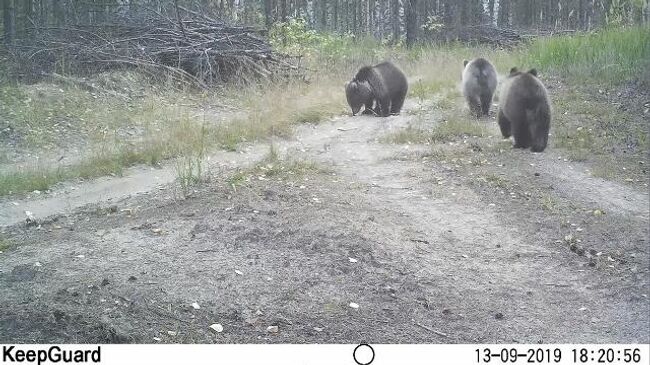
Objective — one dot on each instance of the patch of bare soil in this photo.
(392, 246)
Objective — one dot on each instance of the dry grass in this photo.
(436, 70)
(154, 123)
(589, 129)
(274, 110)
(453, 127)
(275, 166)
(168, 125)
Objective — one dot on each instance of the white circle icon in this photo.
(364, 354)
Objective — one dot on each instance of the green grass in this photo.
(407, 135)
(454, 129)
(607, 56)
(4, 244)
(42, 178)
(25, 180)
(189, 166)
(275, 166)
(498, 181)
(237, 179)
(184, 139)
(458, 128)
(548, 203)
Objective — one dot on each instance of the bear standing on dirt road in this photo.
(384, 83)
(479, 81)
(525, 110)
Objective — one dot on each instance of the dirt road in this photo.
(390, 244)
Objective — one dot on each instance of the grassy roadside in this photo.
(155, 123)
(168, 125)
(598, 119)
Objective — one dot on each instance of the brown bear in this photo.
(384, 84)
(525, 110)
(479, 80)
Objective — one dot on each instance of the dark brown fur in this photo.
(479, 80)
(525, 110)
(384, 84)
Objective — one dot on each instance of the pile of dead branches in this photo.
(190, 47)
(482, 34)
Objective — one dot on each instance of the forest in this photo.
(39, 34)
(410, 20)
(42, 35)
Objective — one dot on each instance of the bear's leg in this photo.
(504, 124)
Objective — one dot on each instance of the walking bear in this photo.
(384, 84)
(479, 82)
(525, 110)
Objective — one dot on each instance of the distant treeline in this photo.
(394, 20)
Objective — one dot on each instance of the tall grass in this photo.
(609, 55)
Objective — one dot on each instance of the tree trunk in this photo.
(335, 15)
(29, 21)
(355, 23)
(504, 13)
(9, 19)
(395, 21)
(283, 10)
(268, 12)
(381, 19)
(371, 16)
(410, 8)
(323, 14)
(57, 12)
(491, 9)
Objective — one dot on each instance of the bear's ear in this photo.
(533, 72)
(465, 62)
(514, 70)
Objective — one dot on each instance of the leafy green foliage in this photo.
(294, 38)
(433, 24)
(325, 50)
(623, 12)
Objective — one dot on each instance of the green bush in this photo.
(295, 39)
(325, 50)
